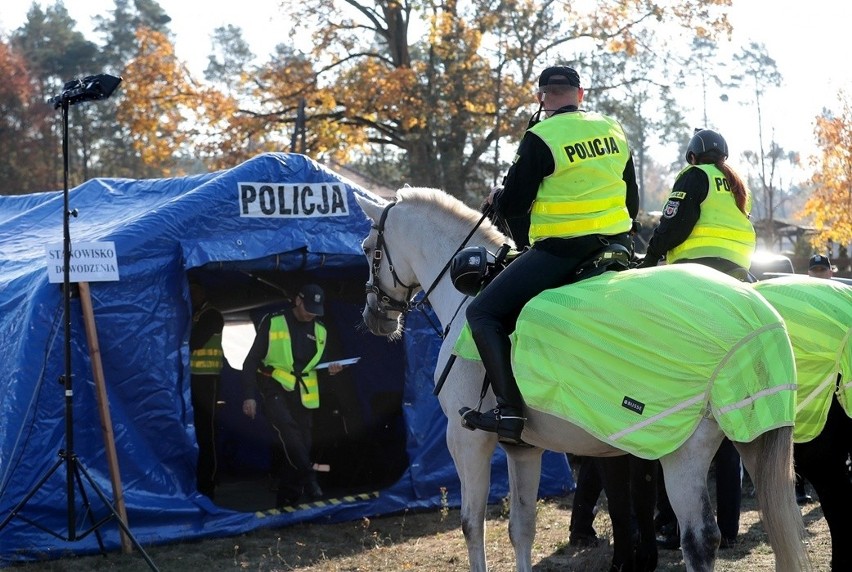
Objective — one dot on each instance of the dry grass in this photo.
(431, 542)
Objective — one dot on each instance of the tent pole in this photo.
(103, 408)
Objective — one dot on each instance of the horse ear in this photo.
(372, 208)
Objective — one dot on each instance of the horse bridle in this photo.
(385, 302)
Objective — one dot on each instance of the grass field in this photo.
(432, 542)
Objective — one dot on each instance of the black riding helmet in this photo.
(707, 141)
(468, 269)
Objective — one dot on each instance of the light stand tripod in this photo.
(76, 91)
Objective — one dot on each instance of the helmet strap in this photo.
(536, 117)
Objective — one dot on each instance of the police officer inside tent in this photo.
(281, 368)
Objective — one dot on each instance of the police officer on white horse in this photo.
(573, 176)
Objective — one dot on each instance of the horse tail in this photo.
(774, 483)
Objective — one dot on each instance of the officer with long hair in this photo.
(706, 221)
(706, 217)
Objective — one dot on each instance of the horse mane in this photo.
(452, 207)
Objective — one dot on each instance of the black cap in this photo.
(312, 299)
(818, 260)
(559, 75)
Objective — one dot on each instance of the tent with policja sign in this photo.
(251, 234)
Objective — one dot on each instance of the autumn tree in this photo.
(25, 129)
(260, 116)
(118, 30)
(168, 116)
(428, 93)
(830, 204)
(442, 83)
(55, 52)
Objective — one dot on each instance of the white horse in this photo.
(409, 249)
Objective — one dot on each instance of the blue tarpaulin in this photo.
(276, 212)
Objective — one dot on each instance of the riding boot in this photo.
(507, 418)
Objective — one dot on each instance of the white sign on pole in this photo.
(90, 262)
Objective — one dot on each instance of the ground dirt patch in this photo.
(433, 542)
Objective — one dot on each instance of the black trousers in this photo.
(729, 488)
(823, 463)
(205, 393)
(589, 487)
(493, 313)
(631, 485)
(536, 270)
(292, 426)
(629, 481)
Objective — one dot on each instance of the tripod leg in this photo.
(84, 498)
(31, 494)
(115, 515)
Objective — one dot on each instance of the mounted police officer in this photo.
(281, 367)
(706, 217)
(706, 221)
(573, 179)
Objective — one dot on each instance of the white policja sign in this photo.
(292, 200)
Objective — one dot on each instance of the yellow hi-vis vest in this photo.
(279, 356)
(586, 192)
(722, 230)
(208, 359)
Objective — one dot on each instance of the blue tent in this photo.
(276, 219)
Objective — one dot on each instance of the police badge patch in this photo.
(670, 209)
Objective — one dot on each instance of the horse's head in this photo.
(391, 283)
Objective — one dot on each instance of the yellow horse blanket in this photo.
(638, 358)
